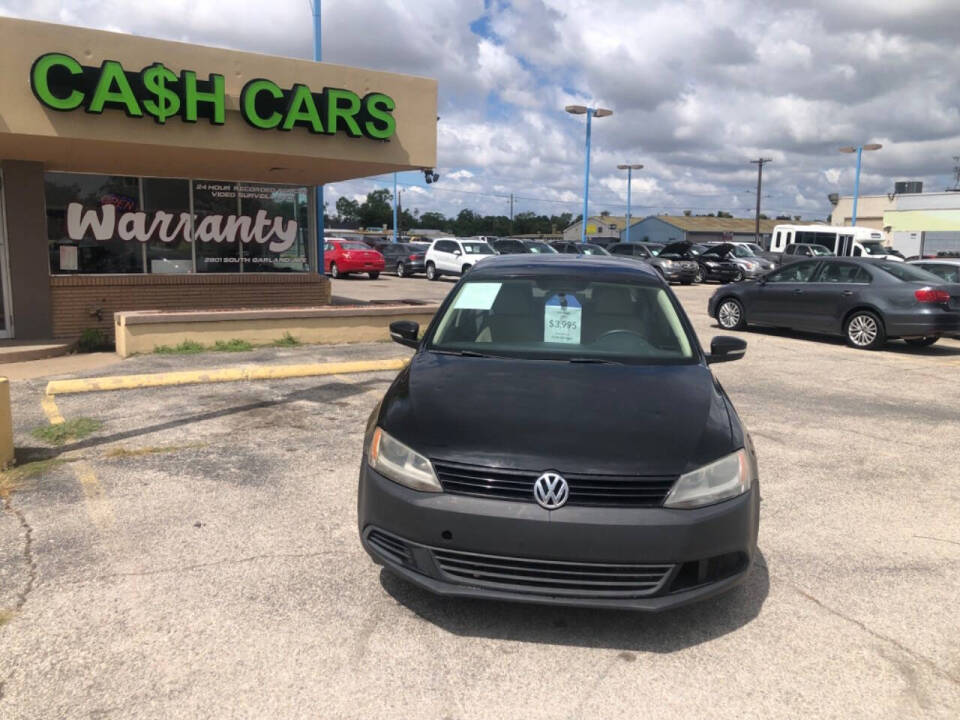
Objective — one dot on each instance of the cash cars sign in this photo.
(61, 83)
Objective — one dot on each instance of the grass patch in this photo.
(233, 345)
(71, 429)
(287, 340)
(93, 340)
(122, 452)
(187, 347)
(13, 478)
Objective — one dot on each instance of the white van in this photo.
(849, 241)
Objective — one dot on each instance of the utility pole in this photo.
(511, 207)
(759, 162)
(318, 56)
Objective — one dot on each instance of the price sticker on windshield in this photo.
(561, 319)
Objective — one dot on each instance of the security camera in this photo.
(430, 176)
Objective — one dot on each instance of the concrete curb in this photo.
(190, 377)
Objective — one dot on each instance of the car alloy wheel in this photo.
(699, 277)
(739, 276)
(401, 270)
(432, 272)
(864, 331)
(730, 315)
(334, 270)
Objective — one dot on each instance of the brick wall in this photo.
(76, 299)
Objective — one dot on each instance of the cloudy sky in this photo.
(698, 87)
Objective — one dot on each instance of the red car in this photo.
(342, 257)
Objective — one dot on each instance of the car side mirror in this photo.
(724, 348)
(457, 253)
(405, 332)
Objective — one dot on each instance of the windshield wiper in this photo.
(463, 353)
(601, 361)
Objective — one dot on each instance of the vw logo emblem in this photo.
(551, 491)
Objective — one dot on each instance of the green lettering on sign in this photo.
(216, 97)
(113, 88)
(301, 109)
(156, 80)
(379, 123)
(61, 83)
(248, 103)
(40, 81)
(337, 112)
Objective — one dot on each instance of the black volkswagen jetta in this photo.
(558, 438)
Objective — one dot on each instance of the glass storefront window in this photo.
(282, 247)
(82, 229)
(110, 224)
(214, 203)
(167, 203)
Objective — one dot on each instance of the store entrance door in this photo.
(6, 314)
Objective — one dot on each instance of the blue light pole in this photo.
(317, 56)
(394, 207)
(590, 113)
(629, 169)
(856, 183)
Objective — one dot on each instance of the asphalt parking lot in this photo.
(197, 556)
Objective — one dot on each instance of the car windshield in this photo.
(874, 247)
(909, 273)
(819, 250)
(478, 248)
(754, 248)
(540, 248)
(354, 246)
(742, 251)
(568, 318)
(593, 250)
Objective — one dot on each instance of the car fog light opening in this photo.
(720, 480)
(397, 462)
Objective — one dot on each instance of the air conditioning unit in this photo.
(908, 187)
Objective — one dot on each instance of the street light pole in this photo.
(590, 113)
(629, 169)
(759, 162)
(317, 55)
(394, 207)
(856, 182)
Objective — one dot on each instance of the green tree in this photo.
(348, 211)
(377, 209)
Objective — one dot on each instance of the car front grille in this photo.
(595, 490)
(549, 577)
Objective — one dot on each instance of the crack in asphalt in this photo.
(28, 559)
(928, 537)
(930, 664)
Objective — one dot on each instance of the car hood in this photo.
(571, 417)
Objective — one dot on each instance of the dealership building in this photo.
(140, 174)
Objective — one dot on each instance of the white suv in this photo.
(451, 256)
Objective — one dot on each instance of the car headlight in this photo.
(394, 460)
(666, 263)
(722, 479)
(751, 265)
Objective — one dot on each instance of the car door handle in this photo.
(848, 292)
(797, 291)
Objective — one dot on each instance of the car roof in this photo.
(563, 263)
(937, 261)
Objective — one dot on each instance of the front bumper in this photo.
(677, 274)
(704, 552)
(721, 273)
